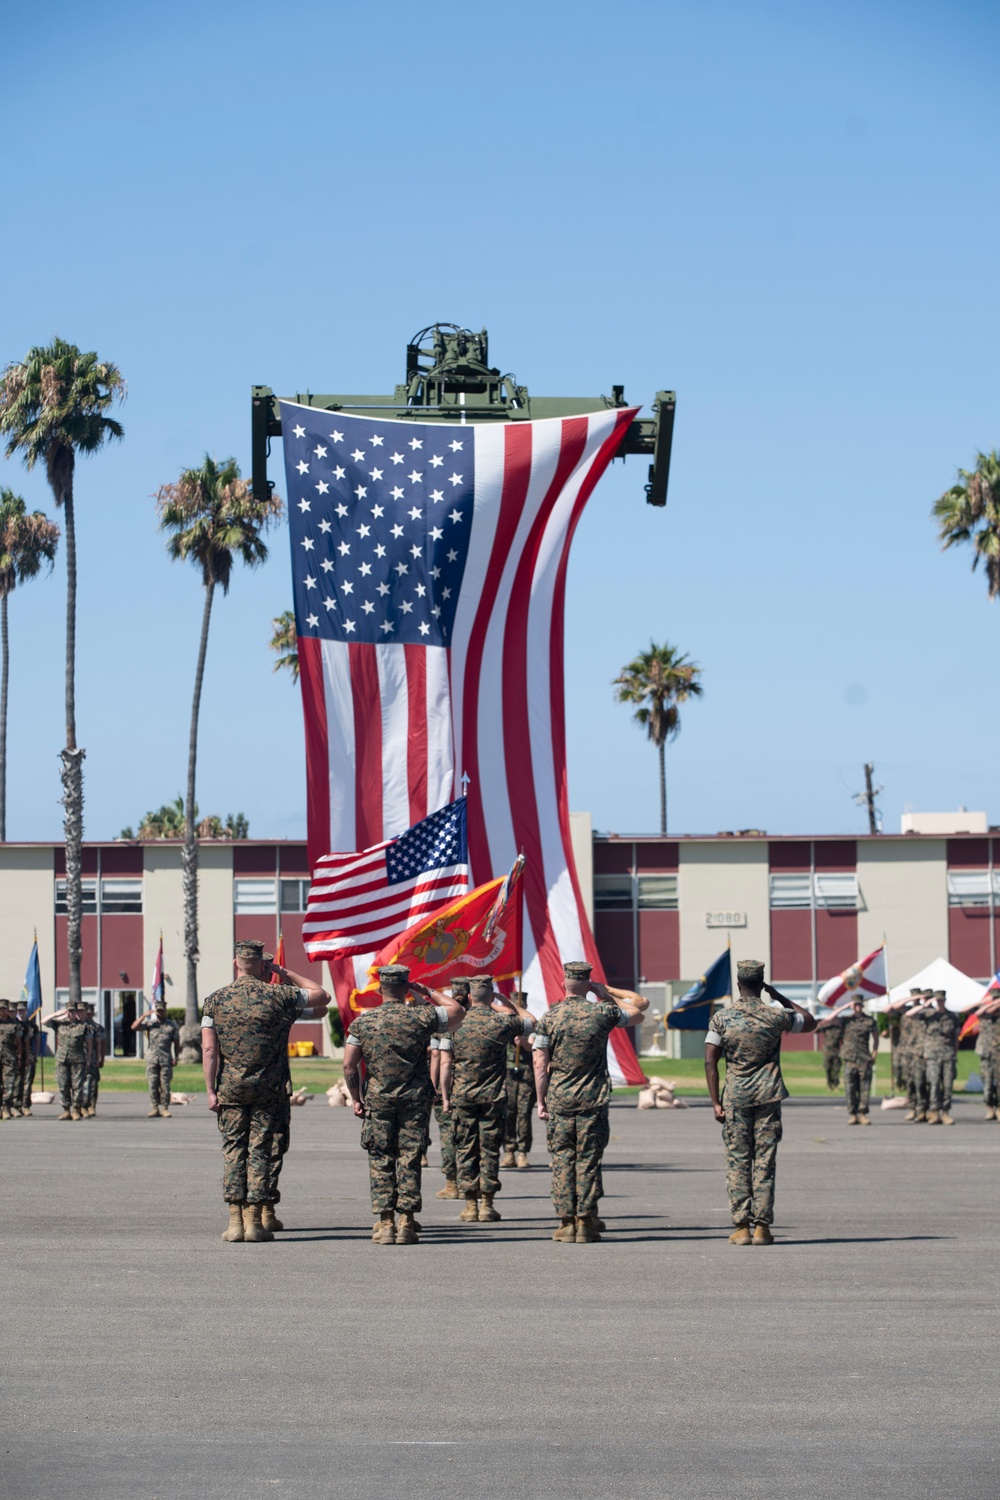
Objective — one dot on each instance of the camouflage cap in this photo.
(5, 1004)
(249, 948)
(481, 982)
(916, 992)
(160, 1005)
(940, 995)
(461, 985)
(393, 974)
(578, 968)
(750, 969)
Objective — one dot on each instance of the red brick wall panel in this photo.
(121, 949)
(791, 946)
(789, 855)
(613, 857)
(969, 940)
(836, 942)
(659, 945)
(613, 932)
(656, 858)
(88, 967)
(836, 854)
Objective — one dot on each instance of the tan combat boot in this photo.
(507, 1160)
(946, 1118)
(384, 1232)
(587, 1232)
(75, 1114)
(151, 1114)
(269, 1218)
(521, 1161)
(253, 1230)
(164, 1113)
(567, 1230)
(406, 1229)
(65, 1115)
(5, 1113)
(741, 1235)
(235, 1231)
(450, 1189)
(26, 1112)
(487, 1213)
(910, 1115)
(470, 1213)
(863, 1120)
(991, 1114)
(423, 1160)
(852, 1119)
(920, 1118)
(762, 1235)
(933, 1118)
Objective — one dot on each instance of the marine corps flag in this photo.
(480, 931)
(693, 1010)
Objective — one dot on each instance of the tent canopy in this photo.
(962, 991)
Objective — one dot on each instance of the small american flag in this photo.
(357, 902)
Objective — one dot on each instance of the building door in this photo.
(121, 1005)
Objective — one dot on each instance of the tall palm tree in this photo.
(213, 520)
(285, 642)
(970, 512)
(659, 680)
(26, 542)
(54, 404)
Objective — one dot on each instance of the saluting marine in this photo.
(11, 1061)
(74, 1043)
(747, 1035)
(32, 1037)
(98, 1053)
(941, 1028)
(857, 1045)
(522, 1097)
(442, 1113)
(163, 1043)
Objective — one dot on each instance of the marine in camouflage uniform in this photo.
(911, 1045)
(831, 1057)
(73, 1047)
(748, 1036)
(478, 1093)
(941, 1029)
(445, 1121)
(245, 1027)
(858, 1032)
(522, 1096)
(985, 1046)
(11, 1061)
(32, 1036)
(98, 1052)
(163, 1043)
(574, 1089)
(392, 1039)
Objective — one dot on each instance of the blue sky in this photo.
(786, 213)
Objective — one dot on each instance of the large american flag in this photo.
(429, 568)
(359, 901)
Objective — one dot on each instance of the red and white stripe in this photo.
(391, 729)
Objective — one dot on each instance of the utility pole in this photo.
(867, 799)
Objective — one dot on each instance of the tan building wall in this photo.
(723, 876)
(903, 896)
(27, 881)
(163, 909)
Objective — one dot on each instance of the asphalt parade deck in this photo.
(147, 1360)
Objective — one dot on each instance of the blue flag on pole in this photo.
(692, 1014)
(31, 989)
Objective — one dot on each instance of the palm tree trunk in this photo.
(190, 1036)
(72, 757)
(663, 787)
(4, 675)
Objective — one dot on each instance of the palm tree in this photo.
(284, 640)
(26, 541)
(659, 680)
(213, 519)
(54, 404)
(970, 512)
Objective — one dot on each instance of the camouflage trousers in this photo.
(91, 1087)
(9, 1078)
(279, 1148)
(479, 1132)
(900, 1066)
(916, 1085)
(831, 1066)
(26, 1080)
(159, 1076)
(248, 1151)
(576, 1146)
(940, 1081)
(446, 1128)
(71, 1078)
(751, 1139)
(857, 1086)
(521, 1100)
(394, 1137)
(988, 1073)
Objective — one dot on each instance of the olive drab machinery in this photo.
(448, 379)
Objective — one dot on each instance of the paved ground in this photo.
(858, 1357)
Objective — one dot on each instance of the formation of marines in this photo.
(925, 1044)
(81, 1049)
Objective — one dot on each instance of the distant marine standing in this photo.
(32, 1039)
(857, 1044)
(443, 1116)
(747, 1034)
(987, 1068)
(98, 1053)
(941, 1028)
(11, 1061)
(163, 1042)
(74, 1042)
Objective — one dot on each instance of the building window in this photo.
(657, 892)
(294, 895)
(89, 997)
(612, 892)
(830, 892)
(89, 899)
(800, 992)
(121, 896)
(254, 898)
(970, 887)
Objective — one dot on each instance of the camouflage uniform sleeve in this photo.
(295, 1000)
(208, 1013)
(356, 1031)
(716, 1029)
(543, 1032)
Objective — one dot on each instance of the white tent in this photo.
(962, 991)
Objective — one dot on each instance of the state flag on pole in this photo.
(866, 977)
(970, 1026)
(156, 989)
(429, 565)
(279, 957)
(31, 989)
(357, 902)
